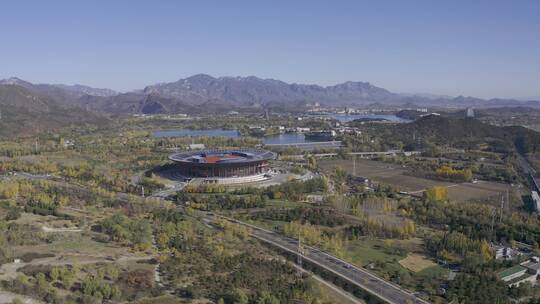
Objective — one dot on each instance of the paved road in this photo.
(384, 290)
(529, 171)
(335, 288)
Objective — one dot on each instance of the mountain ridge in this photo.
(188, 95)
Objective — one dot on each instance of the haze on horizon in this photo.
(485, 49)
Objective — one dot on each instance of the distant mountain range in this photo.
(203, 93)
(25, 112)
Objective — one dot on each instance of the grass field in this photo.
(416, 262)
(395, 176)
(364, 251)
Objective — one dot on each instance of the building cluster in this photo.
(505, 252)
(527, 271)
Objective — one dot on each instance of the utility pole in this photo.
(493, 214)
(142, 191)
(299, 256)
(354, 165)
(502, 207)
(507, 200)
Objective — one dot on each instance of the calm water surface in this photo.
(286, 138)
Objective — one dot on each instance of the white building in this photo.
(196, 146)
(536, 201)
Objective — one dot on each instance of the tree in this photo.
(267, 298)
(55, 273)
(486, 251)
(41, 282)
(311, 162)
(239, 296)
(436, 194)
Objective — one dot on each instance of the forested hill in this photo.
(465, 132)
(24, 112)
(207, 94)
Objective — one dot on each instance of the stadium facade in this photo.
(224, 166)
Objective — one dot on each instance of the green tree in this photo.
(239, 296)
(55, 273)
(41, 282)
(267, 298)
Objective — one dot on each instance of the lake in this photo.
(351, 117)
(187, 132)
(286, 138)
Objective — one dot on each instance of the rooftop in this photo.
(520, 278)
(512, 270)
(223, 156)
(531, 265)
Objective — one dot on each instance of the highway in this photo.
(386, 291)
(530, 172)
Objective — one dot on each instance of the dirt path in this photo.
(48, 229)
(9, 271)
(7, 297)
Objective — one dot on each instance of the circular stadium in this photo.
(224, 166)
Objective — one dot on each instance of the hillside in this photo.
(62, 94)
(137, 103)
(465, 132)
(24, 112)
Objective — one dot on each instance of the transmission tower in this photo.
(493, 215)
(299, 256)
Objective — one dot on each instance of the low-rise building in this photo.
(196, 146)
(525, 272)
(505, 253)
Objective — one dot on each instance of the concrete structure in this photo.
(224, 166)
(307, 146)
(196, 146)
(363, 154)
(536, 201)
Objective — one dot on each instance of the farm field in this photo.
(416, 262)
(396, 176)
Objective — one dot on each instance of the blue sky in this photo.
(477, 48)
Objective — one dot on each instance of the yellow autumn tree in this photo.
(436, 194)
(485, 250)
